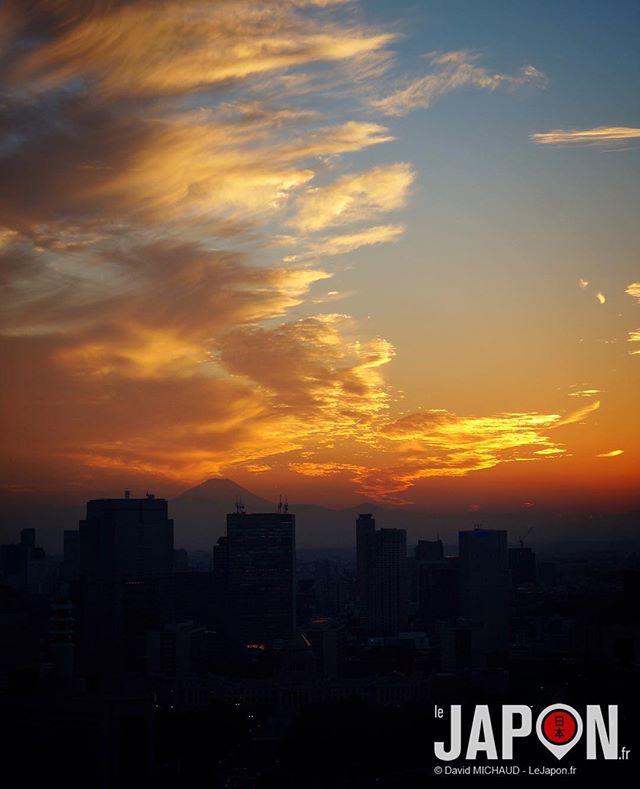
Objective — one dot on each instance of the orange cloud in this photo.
(438, 443)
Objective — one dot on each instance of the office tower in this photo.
(194, 598)
(382, 577)
(438, 591)
(176, 651)
(258, 557)
(429, 551)
(327, 638)
(23, 566)
(462, 647)
(126, 556)
(70, 567)
(129, 539)
(522, 563)
(61, 640)
(221, 615)
(306, 607)
(485, 584)
(365, 563)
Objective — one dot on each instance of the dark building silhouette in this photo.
(70, 567)
(175, 651)
(194, 598)
(327, 640)
(126, 559)
(522, 563)
(23, 565)
(381, 577)
(429, 551)
(258, 560)
(438, 591)
(61, 640)
(221, 619)
(485, 584)
(305, 601)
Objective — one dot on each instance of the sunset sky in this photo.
(343, 250)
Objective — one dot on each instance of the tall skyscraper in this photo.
(70, 567)
(258, 558)
(126, 556)
(438, 593)
(383, 596)
(429, 551)
(128, 539)
(485, 583)
(522, 563)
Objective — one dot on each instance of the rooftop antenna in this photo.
(239, 505)
(127, 494)
(524, 536)
(285, 506)
(280, 505)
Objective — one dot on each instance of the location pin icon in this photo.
(559, 727)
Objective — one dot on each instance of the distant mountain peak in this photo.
(217, 488)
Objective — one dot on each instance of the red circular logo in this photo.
(559, 727)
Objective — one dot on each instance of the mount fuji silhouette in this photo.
(199, 516)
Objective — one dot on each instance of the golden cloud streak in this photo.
(584, 393)
(342, 244)
(600, 135)
(612, 454)
(439, 443)
(141, 50)
(353, 197)
(633, 290)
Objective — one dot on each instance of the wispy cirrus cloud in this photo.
(342, 244)
(634, 336)
(450, 71)
(633, 290)
(584, 392)
(599, 135)
(148, 49)
(353, 198)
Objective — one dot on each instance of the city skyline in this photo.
(348, 251)
(160, 664)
